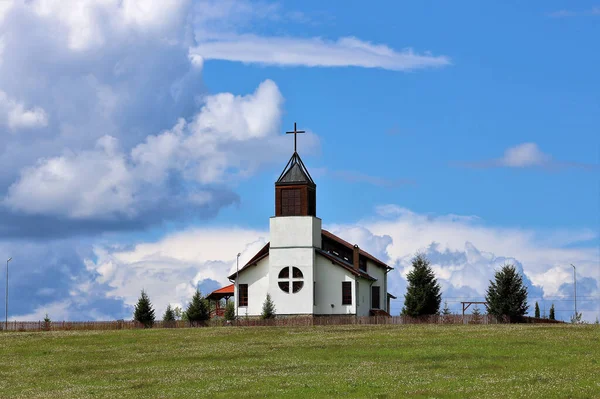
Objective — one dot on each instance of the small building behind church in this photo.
(307, 270)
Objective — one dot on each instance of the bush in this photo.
(230, 311)
(423, 295)
(506, 295)
(268, 309)
(197, 311)
(144, 313)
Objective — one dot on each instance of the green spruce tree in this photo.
(169, 317)
(552, 317)
(197, 310)
(423, 295)
(230, 311)
(144, 313)
(476, 315)
(47, 323)
(446, 310)
(506, 295)
(537, 310)
(268, 309)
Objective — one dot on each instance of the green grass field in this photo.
(415, 361)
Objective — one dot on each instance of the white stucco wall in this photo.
(257, 278)
(295, 231)
(328, 287)
(300, 302)
(378, 273)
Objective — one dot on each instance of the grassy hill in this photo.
(415, 361)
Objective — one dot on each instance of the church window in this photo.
(284, 273)
(243, 301)
(291, 202)
(296, 282)
(362, 263)
(346, 293)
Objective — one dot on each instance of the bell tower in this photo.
(295, 190)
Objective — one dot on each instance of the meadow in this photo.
(412, 361)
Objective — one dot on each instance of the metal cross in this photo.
(295, 132)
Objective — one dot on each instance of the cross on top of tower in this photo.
(295, 132)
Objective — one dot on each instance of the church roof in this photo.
(295, 172)
(264, 252)
(350, 246)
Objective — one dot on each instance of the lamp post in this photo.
(575, 288)
(6, 313)
(237, 285)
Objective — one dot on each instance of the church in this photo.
(307, 270)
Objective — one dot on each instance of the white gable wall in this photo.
(257, 278)
(328, 288)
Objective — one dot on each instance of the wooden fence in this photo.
(291, 321)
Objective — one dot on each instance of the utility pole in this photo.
(575, 288)
(237, 285)
(6, 313)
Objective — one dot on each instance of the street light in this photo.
(6, 313)
(575, 288)
(237, 285)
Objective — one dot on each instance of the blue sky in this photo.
(141, 142)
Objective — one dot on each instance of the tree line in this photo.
(506, 295)
(196, 313)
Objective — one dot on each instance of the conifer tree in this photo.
(552, 317)
(169, 316)
(197, 310)
(144, 313)
(476, 315)
(47, 323)
(537, 310)
(446, 310)
(423, 295)
(506, 295)
(268, 309)
(229, 311)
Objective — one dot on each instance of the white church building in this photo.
(307, 270)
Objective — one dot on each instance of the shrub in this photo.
(423, 295)
(230, 311)
(268, 309)
(476, 319)
(144, 312)
(506, 295)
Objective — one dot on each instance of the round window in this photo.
(295, 282)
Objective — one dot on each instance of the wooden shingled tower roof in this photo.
(295, 173)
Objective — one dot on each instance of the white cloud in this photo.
(16, 116)
(106, 181)
(528, 155)
(170, 269)
(316, 52)
(524, 155)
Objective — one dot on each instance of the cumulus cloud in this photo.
(106, 182)
(527, 155)
(16, 116)
(464, 253)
